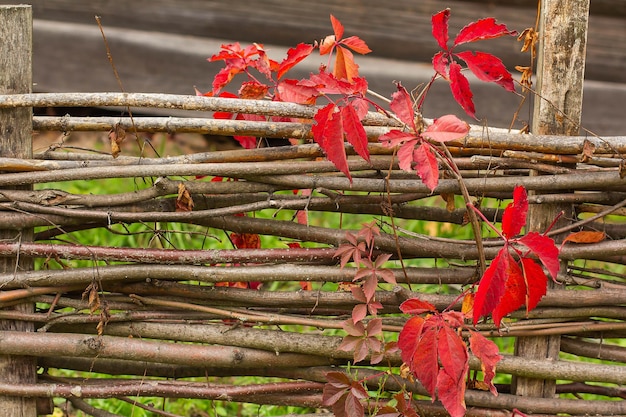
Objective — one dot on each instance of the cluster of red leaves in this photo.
(484, 66)
(361, 338)
(513, 278)
(438, 356)
(339, 120)
(414, 146)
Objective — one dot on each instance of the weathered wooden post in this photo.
(16, 142)
(557, 111)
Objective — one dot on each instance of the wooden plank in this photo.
(398, 29)
(16, 142)
(557, 111)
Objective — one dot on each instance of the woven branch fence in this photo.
(155, 315)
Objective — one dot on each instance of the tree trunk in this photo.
(16, 142)
(557, 111)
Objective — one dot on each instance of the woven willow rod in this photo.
(478, 138)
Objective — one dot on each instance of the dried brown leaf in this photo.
(184, 202)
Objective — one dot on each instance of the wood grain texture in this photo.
(16, 142)
(557, 111)
(398, 29)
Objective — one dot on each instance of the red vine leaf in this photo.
(544, 248)
(440, 28)
(410, 333)
(402, 105)
(427, 166)
(343, 395)
(480, 30)
(417, 306)
(345, 67)
(515, 292)
(536, 283)
(487, 67)
(461, 89)
(514, 216)
(446, 128)
(454, 359)
(328, 133)
(355, 133)
(294, 56)
(488, 354)
(491, 287)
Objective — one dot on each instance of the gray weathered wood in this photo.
(16, 142)
(557, 110)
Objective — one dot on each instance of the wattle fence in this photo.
(162, 317)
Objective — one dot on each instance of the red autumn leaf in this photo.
(536, 283)
(337, 384)
(417, 306)
(294, 91)
(480, 30)
(487, 67)
(440, 28)
(357, 44)
(409, 337)
(515, 291)
(446, 128)
(461, 89)
(263, 63)
(405, 155)
(440, 64)
(253, 90)
(402, 105)
(328, 133)
(491, 286)
(343, 395)
(544, 248)
(514, 217)
(585, 236)
(361, 106)
(396, 137)
(246, 240)
(337, 27)
(425, 363)
(454, 359)
(327, 83)
(236, 59)
(488, 354)
(345, 67)
(294, 56)
(404, 406)
(427, 166)
(355, 133)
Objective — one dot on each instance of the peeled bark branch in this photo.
(51, 344)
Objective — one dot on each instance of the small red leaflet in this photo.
(414, 147)
(484, 66)
(513, 278)
(438, 356)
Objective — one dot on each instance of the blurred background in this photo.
(163, 46)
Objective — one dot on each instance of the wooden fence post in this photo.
(16, 142)
(557, 111)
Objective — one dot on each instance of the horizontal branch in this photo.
(208, 274)
(169, 389)
(54, 344)
(173, 101)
